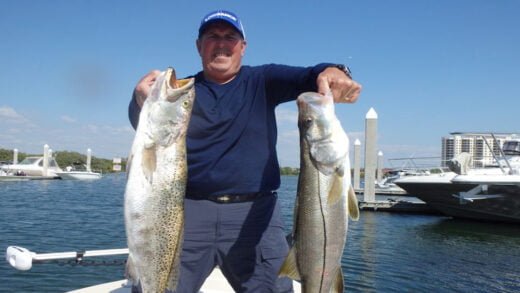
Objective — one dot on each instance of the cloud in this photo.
(105, 141)
(9, 115)
(68, 119)
(92, 128)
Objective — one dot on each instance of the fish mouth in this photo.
(180, 83)
(176, 88)
(175, 83)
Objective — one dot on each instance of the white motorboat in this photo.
(80, 171)
(392, 175)
(79, 175)
(491, 193)
(32, 166)
(76, 173)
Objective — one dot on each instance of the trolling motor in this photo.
(22, 259)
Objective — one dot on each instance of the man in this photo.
(233, 218)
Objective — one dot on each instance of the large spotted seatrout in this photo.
(155, 189)
(325, 198)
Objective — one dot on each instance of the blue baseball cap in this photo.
(222, 15)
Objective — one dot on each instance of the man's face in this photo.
(221, 48)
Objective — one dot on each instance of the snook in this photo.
(325, 198)
(155, 188)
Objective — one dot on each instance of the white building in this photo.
(478, 145)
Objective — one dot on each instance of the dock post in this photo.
(379, 166)
(15, 156)
(45, 159)
(89, 158)
(370, 155)
(357, 163)
(49, 159)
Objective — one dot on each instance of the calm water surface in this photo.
(385, 252)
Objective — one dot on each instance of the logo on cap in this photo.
(226, 16)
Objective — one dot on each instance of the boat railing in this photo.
(416, 166)
(82, 168)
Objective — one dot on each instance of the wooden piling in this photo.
(379, 166)
(357, 163)
(370, 155)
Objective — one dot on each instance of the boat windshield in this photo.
(29, 161)
(511, 147)
(52, 163)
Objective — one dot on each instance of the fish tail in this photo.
(337, 285)
(130, 270)
(289, 267)
(353, 208)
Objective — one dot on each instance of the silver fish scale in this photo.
(320, 230)
(324, 192)
(154, 208)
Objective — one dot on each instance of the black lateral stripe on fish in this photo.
(325, 198)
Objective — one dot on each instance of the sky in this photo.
(428, 68)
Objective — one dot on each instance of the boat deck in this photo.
(215, 283)
(25, 178)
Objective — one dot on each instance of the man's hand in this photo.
(142, 89)
(344, 89)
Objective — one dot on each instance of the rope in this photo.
(81, 262)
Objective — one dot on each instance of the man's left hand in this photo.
(344, 89)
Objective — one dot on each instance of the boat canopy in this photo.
(511, 147)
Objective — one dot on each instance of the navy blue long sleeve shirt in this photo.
(232, 134)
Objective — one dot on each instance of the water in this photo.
(385, 252)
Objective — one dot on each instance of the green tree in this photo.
(66, 158)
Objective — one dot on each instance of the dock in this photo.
(26, 178)
(385, 191)
(398, 206)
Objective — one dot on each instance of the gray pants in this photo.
(246, 240)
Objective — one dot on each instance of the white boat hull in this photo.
(477, 196)
(215, 283)
(78, 175)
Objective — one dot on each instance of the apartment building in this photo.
(481, 146)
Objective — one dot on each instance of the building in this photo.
(477, 144)
(116, 164)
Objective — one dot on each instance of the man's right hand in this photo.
(142, 89)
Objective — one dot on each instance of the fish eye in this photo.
(308, 121)
(185, 104)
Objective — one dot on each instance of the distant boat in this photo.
(31, 166)
(491, 193)
(392, 175)
(75, 172)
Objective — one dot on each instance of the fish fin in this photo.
(336, 190)
(353, 208)
(149, 162)
(290, 267)
(130, 272)
(340, 170)
(337, 286)
(129, 162)
(173, 278)
(290, 239)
